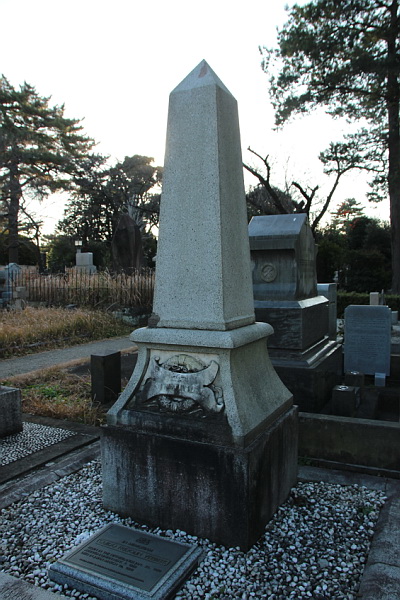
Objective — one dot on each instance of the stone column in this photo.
(204, 437)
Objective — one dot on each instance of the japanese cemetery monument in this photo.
(204, 437)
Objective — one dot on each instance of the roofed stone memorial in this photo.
(303, 350)
(123, 563)
(204, 436)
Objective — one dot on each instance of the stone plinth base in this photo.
(10, 411)
(311, 382)
(297, 324)
(221, 492)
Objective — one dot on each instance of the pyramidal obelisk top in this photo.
(201, 76)
(203, 273)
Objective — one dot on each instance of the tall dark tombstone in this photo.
(204, 437)
(126, 246)
(301, 348)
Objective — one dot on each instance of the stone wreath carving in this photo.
(182, 384)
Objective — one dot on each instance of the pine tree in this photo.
(39, 150)
(344, 55)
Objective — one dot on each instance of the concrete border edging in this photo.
(351, 441)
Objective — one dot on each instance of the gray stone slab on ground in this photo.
(380, 582)
(17, 589)
(32, 362)
(386, 547)
(123, 563)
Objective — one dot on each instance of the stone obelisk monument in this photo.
(204, 437)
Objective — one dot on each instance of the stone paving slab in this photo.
(380, 582)
(386, 548)
(18, 589)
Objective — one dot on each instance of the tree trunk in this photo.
(393, 104)
(15, 197)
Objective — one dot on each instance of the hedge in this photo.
(346, 298)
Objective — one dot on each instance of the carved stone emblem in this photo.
(268, 272)
(183, 383)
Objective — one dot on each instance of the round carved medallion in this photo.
(268, 272)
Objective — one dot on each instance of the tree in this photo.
(344, 55)
(347, 211)
(357, 249)
(271, 200)
(39, 148)
(102, 194)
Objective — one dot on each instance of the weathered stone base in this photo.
(312, 383)
(224, 493)
(297, 324)
(10, 411)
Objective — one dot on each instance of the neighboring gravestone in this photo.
(84, 263)
(126, 246)
(303, 348)
(374, 298)
(329, 290)
(3, 288)
(8, 279)
(105, 371)
(10, 411)
(367, 338)
(125, 563)
(204, 436)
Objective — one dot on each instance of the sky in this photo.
(114, 64)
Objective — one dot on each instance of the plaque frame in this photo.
(69, 570)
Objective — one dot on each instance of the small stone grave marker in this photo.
(10, 411)
(367, 332)
(121, 563)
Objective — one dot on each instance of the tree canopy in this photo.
(344, 55)
(102, 194)
(39, 151)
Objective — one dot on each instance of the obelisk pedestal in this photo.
(204, 437)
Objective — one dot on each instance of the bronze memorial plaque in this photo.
(123, 563)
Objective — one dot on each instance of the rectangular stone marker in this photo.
(10, 411)
(367, 333)
(105, 371)
(120, 563)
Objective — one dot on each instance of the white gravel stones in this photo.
(33, 438)
(315, 546)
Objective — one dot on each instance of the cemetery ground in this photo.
(317, 546)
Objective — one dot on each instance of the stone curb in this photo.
(18, 589)
(381, 580)
(15, 490)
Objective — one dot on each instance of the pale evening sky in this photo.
(115, 63)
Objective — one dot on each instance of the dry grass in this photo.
(37, 329)
(56, 392)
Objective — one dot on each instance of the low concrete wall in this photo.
(347, 440)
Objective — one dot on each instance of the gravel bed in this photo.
(33, 438)
(315, 546)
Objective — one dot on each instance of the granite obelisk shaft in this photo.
(203, 276)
